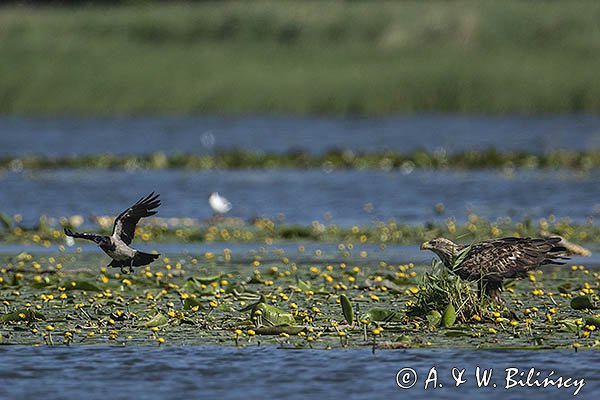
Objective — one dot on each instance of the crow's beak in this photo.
(426, 246)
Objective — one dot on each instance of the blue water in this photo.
(300, 197)
(127, 135)
(259, 372)
(292, 196)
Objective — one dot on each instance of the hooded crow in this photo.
(117, 244)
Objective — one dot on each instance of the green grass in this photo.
(330, 57)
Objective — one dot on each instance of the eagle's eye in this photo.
(433, 242)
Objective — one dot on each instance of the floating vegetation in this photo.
(263, 230)
(331, 160)
(63, 299)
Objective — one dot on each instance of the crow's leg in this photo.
(118, 264)
(112, 265)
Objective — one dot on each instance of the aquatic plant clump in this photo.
(64, 299)
(444, 296)
(333, 159)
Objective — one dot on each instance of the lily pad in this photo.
(190, 303)
(570, 325)
(565, 288)
(41, 284)
(202, 284)
(456, 333)
(595, 321)
(307, 286)
(449, 316)
(278, 330)
(253, 306)
(377, 314)
(82, 285)
(434, 318)
(158, 320)
(205, 280)
(5, 221)
(347, 309)
(22, 315)
(388, 284)
(273, 316)
(581, 303)
(393, 345)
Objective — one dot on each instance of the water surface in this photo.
(300, 197)
(292, 196)
(141, 135)
(257, 372)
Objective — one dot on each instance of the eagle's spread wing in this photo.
(125, 223)
(498, 259)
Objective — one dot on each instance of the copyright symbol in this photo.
(406, 378)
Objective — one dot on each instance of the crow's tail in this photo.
(142, 258)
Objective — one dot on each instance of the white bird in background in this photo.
(219, 204)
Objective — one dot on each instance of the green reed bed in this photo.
(331, 57)
(330, 160)
(63, 299)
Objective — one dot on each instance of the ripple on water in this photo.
(228, 372)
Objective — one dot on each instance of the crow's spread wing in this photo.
(82, 235)
(124, 227)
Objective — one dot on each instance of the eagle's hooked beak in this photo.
(426, 246)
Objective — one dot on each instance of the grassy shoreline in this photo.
(357, 58)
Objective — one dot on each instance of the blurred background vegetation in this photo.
(292, 57)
